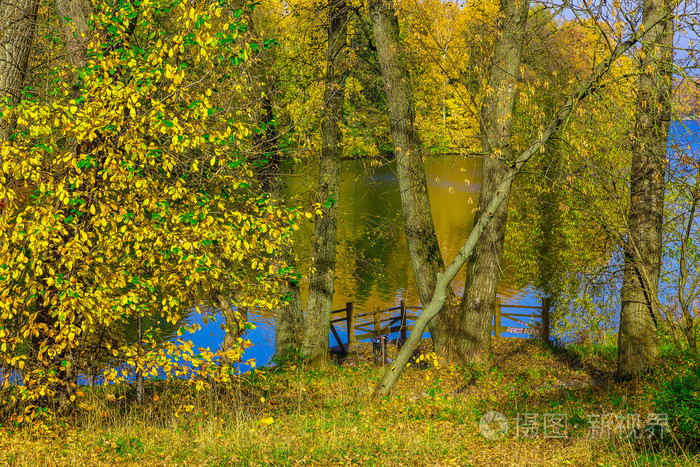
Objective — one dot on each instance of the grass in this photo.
(289, 415)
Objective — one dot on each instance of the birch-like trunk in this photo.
(472, 335)
(637, 337)
(315, 342)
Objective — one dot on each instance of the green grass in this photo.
(295, 416)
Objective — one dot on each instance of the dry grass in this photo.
(291, 415)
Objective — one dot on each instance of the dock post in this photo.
(350, 310)
(377, 321)
(497, 318)
(544, 324)
(403, 320)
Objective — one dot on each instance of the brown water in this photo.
(373, 266)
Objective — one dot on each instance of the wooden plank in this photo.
(360, 315)
(517, 330)
(525, 315)
(497, 318)
(350, 318)
(515, 319)
(337, 339)
(525, 307)
(361, 337)
(342, 310)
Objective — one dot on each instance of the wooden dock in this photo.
(399, 319)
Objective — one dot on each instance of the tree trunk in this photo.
(289, 317)
(472, 336)
(235, 321)
(423, 247)
(289, 320)
(17, 23)
(318, 308)
(637, 337)
(74, 16)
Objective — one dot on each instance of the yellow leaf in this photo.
(267, 420)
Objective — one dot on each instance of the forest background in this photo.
(146, 146)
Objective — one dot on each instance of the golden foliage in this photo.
(131, 198)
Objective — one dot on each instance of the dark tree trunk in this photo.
(318, 308)
(288, 316)
(472, 336)
(637, 337)
(423, 247)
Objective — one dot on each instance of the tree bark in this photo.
(315, 341)
(74, 16)
(472, 337)
(423, 247)
(289, 317)
(17, 23)
(431, 310)
(637, 336)
(235, 320)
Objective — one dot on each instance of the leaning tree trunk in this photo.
(423, 247)
(637, 337)
(318, 308)
(473, 335)
(17, 24)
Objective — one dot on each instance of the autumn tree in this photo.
(497, 114)
(575, 181)
(639, 314)
(318, 307)
(583, 90)
(142, 203)
(460, 333)
(423, 247)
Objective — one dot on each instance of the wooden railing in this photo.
(521, 312)
(379, 322)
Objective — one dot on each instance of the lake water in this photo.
(374, 267)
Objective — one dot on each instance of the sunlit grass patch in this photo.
(289, 415)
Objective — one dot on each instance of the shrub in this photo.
(680, 399)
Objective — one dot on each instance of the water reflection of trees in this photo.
(373, 263)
